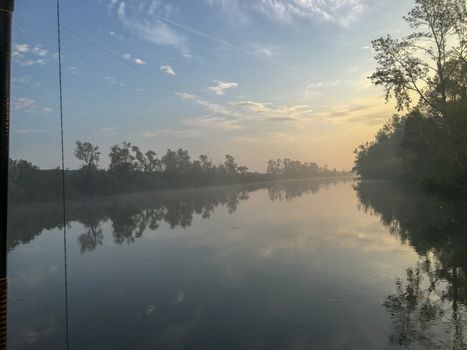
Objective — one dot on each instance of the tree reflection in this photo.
(93, 236)
(130, 216)
(429, 306)
(90, 239)
(291, 190)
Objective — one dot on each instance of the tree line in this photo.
(126, 158)
(132, 170)
(428, 143)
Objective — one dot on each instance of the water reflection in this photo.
(131, 215)
(428, 306)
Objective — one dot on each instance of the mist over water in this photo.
(290, 265)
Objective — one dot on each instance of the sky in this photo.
(257, 79)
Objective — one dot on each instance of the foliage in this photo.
(429, 143)
(287, 168)
(423, 62)
(132, 170)
(88, 153)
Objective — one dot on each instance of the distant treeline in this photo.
(429, 143)
(131, 170)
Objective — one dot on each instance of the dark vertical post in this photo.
(6, 12)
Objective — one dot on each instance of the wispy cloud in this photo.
(275, 113)
(47, 110)
(157, 7)
(360, 82)
(151, 29)
(25, 104)
(356, 112)
(339, 11)
(32, 131)
(74, 70)
(221, 87)
(209, 106)
(180, 133)
(266, 51)
(114, 81)
(168, 70)
(107, 131)
(128, 57)
(215, 122)
(29, 55)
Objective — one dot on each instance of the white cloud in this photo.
(340, 11)
(275, 113)
(47, 109)
(151, 29)
(126, 56)
(252, 106)
(74, 70)
(266, 51)
(139, 61)
(27, 55)
(27, 105)
(236, 114)
(38, 51)
(213, 108)
(168, 70)
(221, 87)
(21, 48)
(114, 81)
(24, 103)
(107, 131)
(185, 96)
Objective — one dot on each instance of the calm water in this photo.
(297, 265)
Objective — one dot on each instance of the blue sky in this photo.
(258, 79)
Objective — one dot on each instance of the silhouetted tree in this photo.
(206, 163)
(230, 164)
(121, 158)
(419, 62)
(87, 153)
(152, 162)
(169, 161)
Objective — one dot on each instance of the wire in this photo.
(63, 171)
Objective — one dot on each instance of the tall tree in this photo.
(169, 161)
(230, 164)
(121, 158)
(205, 162)
(88, 153)
(422, 63)
(152, 162)
(140, 159)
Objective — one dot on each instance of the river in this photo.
(331, 264)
